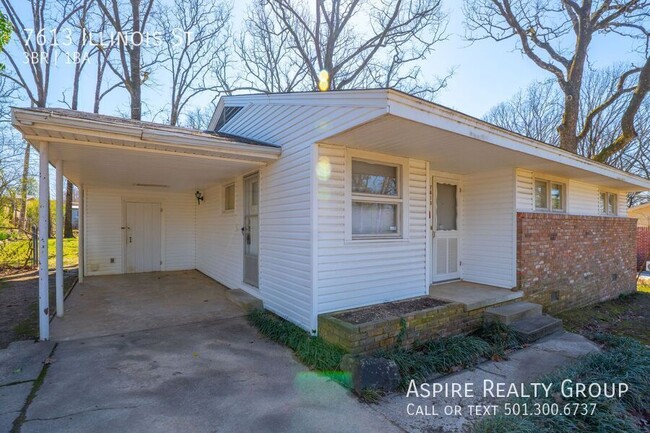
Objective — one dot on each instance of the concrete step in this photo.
(533, 328)
(245, 300)
(510, 313)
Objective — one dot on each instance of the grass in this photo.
(314, 352)
(624, 360)
(16, 253)
(627, 315)
(449, 354)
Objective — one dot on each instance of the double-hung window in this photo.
(608, 203)
(550, 196)
(376, 200)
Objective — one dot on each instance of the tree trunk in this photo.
(568, 129)
(23, 189)
(134, 60)
(67, 222)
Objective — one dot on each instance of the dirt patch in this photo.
(627, 315)
(388, 310)
(19, 304)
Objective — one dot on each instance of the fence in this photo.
(642, 246)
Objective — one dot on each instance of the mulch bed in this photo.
(388, 310)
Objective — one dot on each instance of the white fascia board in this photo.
(217, 113)
(414, 109)
(358, 98)
(141, 134)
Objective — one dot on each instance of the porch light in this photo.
(199, 197)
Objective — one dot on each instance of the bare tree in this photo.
(556, 35)
(129, 19)
(198, 118)
(30, 64)
(196, 39)
(267, 61)
(395, 35)
(79, 60)
(537, 110)
(534, 112)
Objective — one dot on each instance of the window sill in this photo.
(376, 241)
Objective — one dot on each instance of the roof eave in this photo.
(175, 140)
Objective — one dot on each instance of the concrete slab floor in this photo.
(217, 376)
(106, 305)
(472, 295)
(523, 366)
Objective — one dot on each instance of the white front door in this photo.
(251, 229)
(143, 233)
(446, 262)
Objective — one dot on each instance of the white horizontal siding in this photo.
(104, 237)
(525, 201)
(219, 244)
(286, 220)
(354, 273)
(582, 198)
(488, 228)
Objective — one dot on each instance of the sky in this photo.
(486, 72)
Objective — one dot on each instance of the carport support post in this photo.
(82, 235)
(43, 220)
(59, 238)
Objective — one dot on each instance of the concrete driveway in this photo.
(215, 375)
(106, 305)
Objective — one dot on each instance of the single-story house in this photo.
(642, 214)
(320, 202)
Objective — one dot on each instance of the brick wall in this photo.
(567, 261)
(442, 321)
(642, 246)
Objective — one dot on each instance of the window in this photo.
(550, 196)
(376, 200)
(608, 203)
(229, 197)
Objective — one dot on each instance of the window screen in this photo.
(446, 207)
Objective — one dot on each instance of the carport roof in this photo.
(110, 151)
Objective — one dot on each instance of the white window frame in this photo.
(603, 210)
(401, 199)
(223, 200)
(549, 183)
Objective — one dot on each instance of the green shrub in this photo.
(500, 337)
(437, 356)
(625, 360)
(314, 352)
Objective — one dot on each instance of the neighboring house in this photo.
(641, 213)
(75, 215)
(319, 202)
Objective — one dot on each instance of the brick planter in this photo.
(567, 261)
(423, 325)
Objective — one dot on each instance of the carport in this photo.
(97, 151)
(117, 304)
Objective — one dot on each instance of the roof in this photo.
(130, 123)
(639, 207)
(401, 104)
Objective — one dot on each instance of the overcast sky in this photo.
(486, 72)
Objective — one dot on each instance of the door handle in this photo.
(130, 239)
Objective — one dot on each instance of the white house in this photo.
(319, 202)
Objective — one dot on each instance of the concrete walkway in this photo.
(524, 366)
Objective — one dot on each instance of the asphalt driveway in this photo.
(212, 376)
